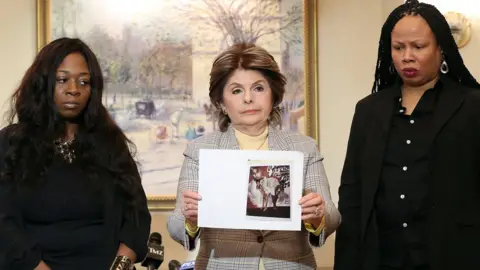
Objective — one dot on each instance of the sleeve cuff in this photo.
(190, 242)
(192, 232)
(316, 231)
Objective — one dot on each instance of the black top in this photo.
(403, 199)
(67, 223)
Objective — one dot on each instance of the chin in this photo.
(254, 122)
(70, 117)
(413, 82)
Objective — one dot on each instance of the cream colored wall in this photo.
(17, 45)
(345, 72)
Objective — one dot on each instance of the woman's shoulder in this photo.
(210, 138)
(297, 141)
(5, 133)
(208, 141)
(6, 130)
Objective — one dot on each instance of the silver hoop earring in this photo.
(444, 67)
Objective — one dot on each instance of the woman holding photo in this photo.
(246, 88)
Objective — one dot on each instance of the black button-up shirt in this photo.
(403, 202)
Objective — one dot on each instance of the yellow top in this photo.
(260, 142)
(247, 142)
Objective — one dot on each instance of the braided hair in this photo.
(440, 28)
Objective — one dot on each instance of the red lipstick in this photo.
(410, 72)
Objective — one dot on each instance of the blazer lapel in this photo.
(275, 142)
(228, 140)
(449, 101)
(376, 145)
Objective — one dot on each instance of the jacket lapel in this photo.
(228, 140)
(375, 145)
(449, 101)
(275, 142)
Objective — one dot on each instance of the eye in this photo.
(84, 82)
(236, 91)
(259, 88)
(61, 80)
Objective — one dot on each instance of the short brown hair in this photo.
(249, 57)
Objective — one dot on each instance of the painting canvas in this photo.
(156, 56)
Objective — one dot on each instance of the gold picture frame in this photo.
(309, 112)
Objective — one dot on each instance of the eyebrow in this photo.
(68, 72)
(416, 40)
(237, 84)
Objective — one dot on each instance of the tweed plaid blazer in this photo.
(242, 249)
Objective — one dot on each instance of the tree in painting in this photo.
(156, 56)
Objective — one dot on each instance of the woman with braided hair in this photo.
(410, 187)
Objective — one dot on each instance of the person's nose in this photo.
(247, 98)
(72, 88)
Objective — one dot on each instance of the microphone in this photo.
(174, 265)
(154, 257)
(188, 266)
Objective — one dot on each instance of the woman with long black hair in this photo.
(70, 191)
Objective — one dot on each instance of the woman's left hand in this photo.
(313, 208)
(124, 250)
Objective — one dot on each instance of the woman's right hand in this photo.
(190, 207)
(42, 266)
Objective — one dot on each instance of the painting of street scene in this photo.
(156, 56)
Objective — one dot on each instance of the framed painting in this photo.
(156, 57)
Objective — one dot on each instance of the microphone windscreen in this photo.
(174, 265)
(156, 238)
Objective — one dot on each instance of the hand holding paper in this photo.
(190, 207)
(313, 208)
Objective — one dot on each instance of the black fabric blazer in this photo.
(454, 236)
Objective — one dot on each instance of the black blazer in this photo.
(455, 182)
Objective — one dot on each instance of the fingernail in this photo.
(199, 197)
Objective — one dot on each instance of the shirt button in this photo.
(412, 121)
(260, 239)
(409, 142)
(401, 111)
(402, 196)
(404, 168)
(405, 225)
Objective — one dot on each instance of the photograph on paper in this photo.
(268, 191)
